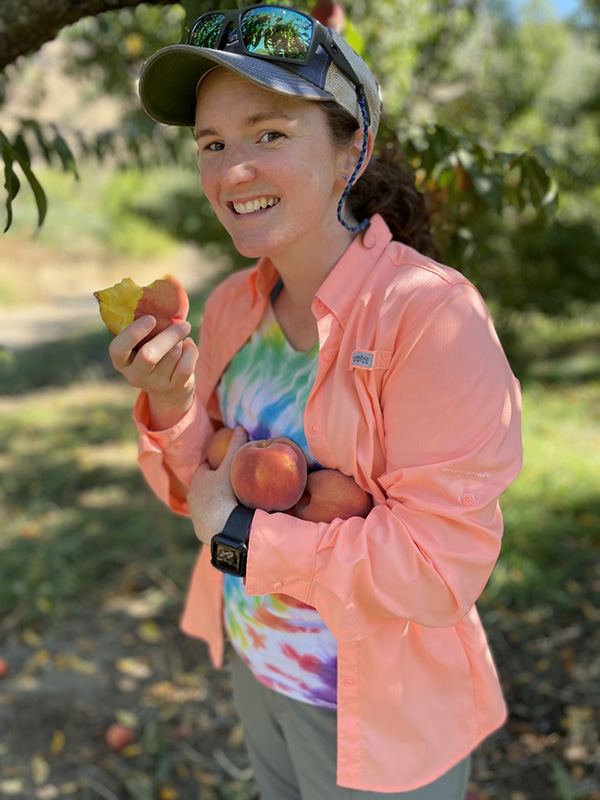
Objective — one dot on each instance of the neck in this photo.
(302, 274)
(304, 271)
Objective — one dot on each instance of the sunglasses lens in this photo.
(276, 32)
(206, 31)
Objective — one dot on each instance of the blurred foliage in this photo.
(492, 112)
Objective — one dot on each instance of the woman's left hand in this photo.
(210, 497)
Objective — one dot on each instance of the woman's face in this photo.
(268, 167)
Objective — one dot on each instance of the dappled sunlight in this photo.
(103, 497)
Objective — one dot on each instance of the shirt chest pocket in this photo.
(347, 403)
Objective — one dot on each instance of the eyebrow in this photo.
(254, 119)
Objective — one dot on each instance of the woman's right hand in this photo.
(163, 367)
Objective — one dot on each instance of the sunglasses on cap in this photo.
(273, 33)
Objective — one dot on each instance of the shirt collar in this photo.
(338, 291)
(340, 288)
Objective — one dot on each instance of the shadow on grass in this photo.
(78, 513)
(77, 356)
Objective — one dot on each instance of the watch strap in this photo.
(238, 523)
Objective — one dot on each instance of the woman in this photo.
(360, 665)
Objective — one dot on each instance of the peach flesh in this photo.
(330, 495)
(165, 299)
(269, 474)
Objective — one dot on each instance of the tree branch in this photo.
(25, 25)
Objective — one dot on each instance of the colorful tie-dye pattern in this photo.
(284, 642)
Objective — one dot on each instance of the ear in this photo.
(352, 156)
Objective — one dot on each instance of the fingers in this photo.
(151, 353)
(239, 437)
(186, 366)
(159, 359)
(121, 347)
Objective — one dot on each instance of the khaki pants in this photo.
(292, 748)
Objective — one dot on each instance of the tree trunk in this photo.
(25, 25)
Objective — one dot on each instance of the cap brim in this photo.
(169, 78)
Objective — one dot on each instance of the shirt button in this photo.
(179, 445)
(350, 682)
(327, 357)
(277, 586)
(314, 428)
(320, 306)
(467, 499)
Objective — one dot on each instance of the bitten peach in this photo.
(165, 299)
(269, 474)
(217, 447)
(330, 495)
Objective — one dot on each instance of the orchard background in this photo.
(499, 115)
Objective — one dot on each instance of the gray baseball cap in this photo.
(169, 79)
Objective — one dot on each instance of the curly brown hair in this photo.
(386, 187)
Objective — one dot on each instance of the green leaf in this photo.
(20, 147)
(31, 124)
(66, 156)
(9, 176)
(36, 188)
(562, 779)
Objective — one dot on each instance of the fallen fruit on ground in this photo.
(217, 447)
(269, 474)
(165, 299)
(4, 668)
(329, 495)
(118, 736)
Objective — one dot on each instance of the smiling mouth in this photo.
(252, 206)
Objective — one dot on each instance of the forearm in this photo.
(165, 412)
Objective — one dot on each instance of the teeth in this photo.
(255, 205)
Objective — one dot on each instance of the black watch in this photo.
(229, 549)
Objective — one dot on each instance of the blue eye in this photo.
(272, 136)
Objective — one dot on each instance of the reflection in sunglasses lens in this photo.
(206, 34)
(276, 32)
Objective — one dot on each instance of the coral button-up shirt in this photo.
(415, 400)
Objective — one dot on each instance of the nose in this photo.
(236, 169)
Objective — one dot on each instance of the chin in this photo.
(261, 247)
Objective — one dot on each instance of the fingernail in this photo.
(148, 322)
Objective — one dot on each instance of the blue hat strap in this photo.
(363, 154)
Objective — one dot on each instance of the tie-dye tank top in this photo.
(284, 642)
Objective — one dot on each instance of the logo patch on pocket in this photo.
(362, 359)
(370, 359)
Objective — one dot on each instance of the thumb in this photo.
(239, 437)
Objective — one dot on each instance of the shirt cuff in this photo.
(274, 567)
(178, 441)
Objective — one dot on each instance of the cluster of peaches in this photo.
(272, 474)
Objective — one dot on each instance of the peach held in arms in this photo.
(165, 299)
(330, 495)
(217, 446)
(269, 474)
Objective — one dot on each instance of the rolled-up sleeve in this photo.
(169, 459)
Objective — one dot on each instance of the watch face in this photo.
(229, 558)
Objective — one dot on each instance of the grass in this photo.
(552, 512)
